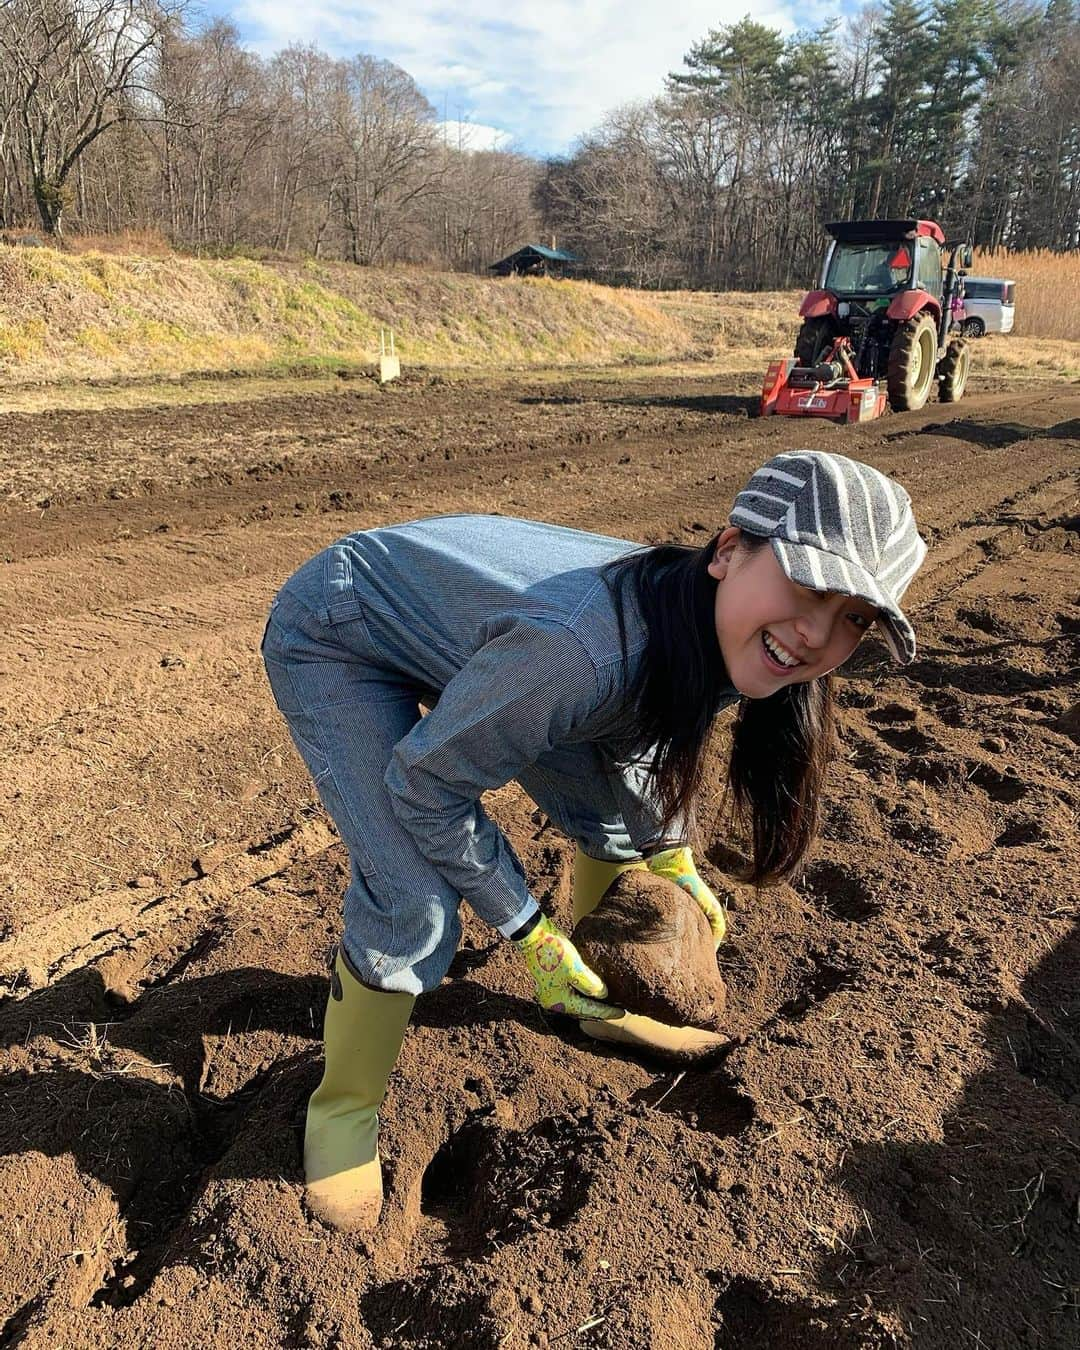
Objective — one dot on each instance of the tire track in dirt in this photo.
(440, 438)
(552, 474)
(71, 937)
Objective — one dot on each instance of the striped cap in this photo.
(838, 525)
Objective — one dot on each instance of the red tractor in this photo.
(884, 325)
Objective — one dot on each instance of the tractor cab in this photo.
(864, 271)
(870, 260)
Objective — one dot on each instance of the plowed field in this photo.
(890, 1153)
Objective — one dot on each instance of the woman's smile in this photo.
(777, 656)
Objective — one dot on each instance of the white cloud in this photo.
(547, 76)
(474, 136)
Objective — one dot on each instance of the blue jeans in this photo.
(346, 709)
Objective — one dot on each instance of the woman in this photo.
(590, 671)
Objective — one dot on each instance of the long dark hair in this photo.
(780, 745)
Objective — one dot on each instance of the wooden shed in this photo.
(536, 260)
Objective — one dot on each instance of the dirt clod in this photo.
(651, 944)
(1069, 722)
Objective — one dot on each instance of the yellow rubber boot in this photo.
(592, 877)
(362, 1033)
(681, 1044)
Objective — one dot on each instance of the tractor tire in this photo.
(953, 373)
(814, 340)
(912, 363)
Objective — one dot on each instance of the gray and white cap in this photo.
(838, 525)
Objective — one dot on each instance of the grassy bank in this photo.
(96, 316)
(92, 316)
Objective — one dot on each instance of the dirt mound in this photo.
(651, 945)
(887, 1155)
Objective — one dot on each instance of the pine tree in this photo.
(896, 111)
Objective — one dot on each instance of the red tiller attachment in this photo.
(833, 388)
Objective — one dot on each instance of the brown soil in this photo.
(652, 947)
(889, 1154)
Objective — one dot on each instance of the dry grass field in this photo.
(1047, 290)
(95, 315)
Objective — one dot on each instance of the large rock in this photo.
(651, 945)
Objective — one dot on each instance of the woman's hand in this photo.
(564, 983)
(677, 864)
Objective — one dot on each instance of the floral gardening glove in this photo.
(562, 978)
(677, 864)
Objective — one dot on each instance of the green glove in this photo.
(562, 978)
(677, 864)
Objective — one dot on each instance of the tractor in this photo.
(884, 325)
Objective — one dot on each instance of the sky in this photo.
(531, 79)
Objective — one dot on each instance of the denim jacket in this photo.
(510, 636)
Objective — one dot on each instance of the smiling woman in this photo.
(591, 672)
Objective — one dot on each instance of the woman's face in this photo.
(771, 630)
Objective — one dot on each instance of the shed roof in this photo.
(542, 251)
(553, 254)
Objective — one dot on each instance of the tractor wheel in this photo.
(814, 340)
(912, 361)
(954, 371)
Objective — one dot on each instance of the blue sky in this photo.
(534, 82)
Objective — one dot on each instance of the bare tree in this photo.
(299, 171)
(383, 147)
(12, 192)
(612, 203)
(73, 68)
(480, 206)
(218, 120)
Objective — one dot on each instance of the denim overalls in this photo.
(507, 632)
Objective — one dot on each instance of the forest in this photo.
(126, 116)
